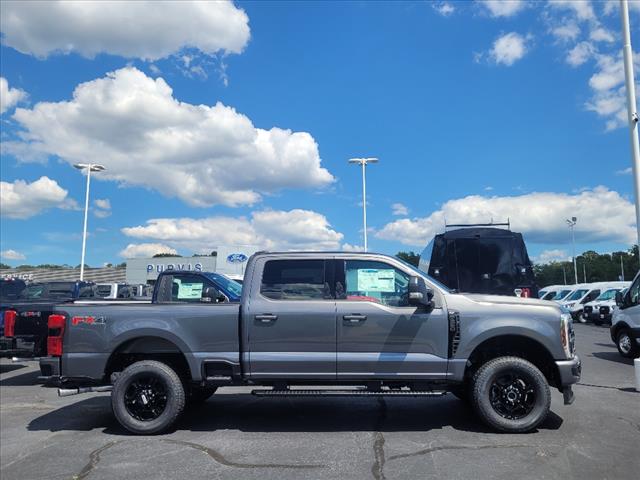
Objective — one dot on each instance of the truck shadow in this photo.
(613, 357)
(22, 380)
(247, 413)
(10, 367)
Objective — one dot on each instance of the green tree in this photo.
(409, 257)
(4, 266)
(161, 255)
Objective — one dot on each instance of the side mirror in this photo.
(419, 293)
(619, 299)
(210, 294)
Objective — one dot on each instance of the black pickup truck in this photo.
(24, 316)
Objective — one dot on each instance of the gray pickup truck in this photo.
(322, 324)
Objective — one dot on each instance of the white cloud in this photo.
(347, 247)
(272, 229)
(503, 8)
(609, 94)
(12, 255)
(9, 97)
(145, 250)
(102, 207)
(103, 203)
(624, 171)
(601, 34)
(142, 29)
(554, 255)
(566, 32)
(202, 154)
(444, 8)
(508, 48)
(579, 54)
(603, 215)
(399, 209)
(23, 200)
(581, 8)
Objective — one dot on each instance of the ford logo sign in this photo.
(237, 258)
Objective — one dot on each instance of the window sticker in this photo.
(376, 280)
(189, 290)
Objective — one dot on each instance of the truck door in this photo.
(291, 320)
(379, 334)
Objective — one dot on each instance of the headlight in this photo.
(567, 337)
(570, 305)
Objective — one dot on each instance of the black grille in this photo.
(454, 333)
(604, 310)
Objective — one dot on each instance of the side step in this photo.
(348, 393)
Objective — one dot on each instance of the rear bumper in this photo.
(50, 370)
(16, 347)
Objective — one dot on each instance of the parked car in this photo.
(549, 292)
(25, 317)
(368, 323)
(625, 323)
(481, 260)
(574, 302)
(600, 310)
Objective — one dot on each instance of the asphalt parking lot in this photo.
(235, 435)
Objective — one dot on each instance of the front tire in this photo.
(147, 397)
(510, 394)
(626, 345)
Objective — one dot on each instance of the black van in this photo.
(481, 260)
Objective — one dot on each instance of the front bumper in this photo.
(569, 372)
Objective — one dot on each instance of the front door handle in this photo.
(354, 318)
(266, 318)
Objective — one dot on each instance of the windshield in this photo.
(229, 285)
(577, 294)
(549, 296)
(32, 291)
(561, 294)
(608, 294)
(422, 274)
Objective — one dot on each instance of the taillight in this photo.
(56, 331)
(10, 323)
(526, 292)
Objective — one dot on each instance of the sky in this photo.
(227, 123)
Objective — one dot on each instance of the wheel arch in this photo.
(520, 346)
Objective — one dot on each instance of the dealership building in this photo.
(226, 259)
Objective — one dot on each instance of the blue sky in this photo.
(477, 111)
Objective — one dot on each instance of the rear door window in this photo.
(295, 280)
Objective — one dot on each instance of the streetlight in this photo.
(90, 167)
(364, 162)
(572, 223)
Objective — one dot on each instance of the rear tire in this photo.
(147, 397)
(626, 344)
(510, 394)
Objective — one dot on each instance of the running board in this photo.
(348, 393)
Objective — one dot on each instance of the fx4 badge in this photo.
(88, 320)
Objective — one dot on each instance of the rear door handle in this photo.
(266, 318)
(354, 318)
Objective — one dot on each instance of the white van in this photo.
(600, 310)
(582, 293)
(547, 293)
(625, 324)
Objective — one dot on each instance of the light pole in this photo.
(631, 107)
(90, 167)
(364, 162)
(572, 223)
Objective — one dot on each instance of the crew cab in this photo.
(368, 323)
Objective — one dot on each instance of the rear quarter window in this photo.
(295, 280)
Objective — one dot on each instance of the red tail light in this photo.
(56, 331)
(10, 323)
(526, 292)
